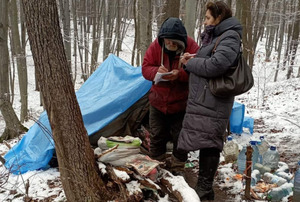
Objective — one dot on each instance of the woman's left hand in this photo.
(185, 57)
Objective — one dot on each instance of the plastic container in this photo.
(273, 179)
(262, 169)
(296, 196)
(276, 194)
(271, 158)
(262, 146)
(230, 150)
(241, 161)
(254, 154)
(255, 177)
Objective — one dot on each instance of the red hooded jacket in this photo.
(168, 96)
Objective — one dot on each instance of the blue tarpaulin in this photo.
(108, 92)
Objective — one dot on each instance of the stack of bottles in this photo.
(230, 150)
(296, 196)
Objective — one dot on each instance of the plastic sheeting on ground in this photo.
(108, 92)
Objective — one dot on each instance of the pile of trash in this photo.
(258, 167)
(137, 176)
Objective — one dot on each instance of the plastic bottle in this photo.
(230, 150)
(241, 162)
(262, 169)
(296, 196)
(254, 153)
(259, 159)
(264, 145)
(271, 158)
(255, 176)
(276, 194)
(273, 179)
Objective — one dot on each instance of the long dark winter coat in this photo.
(206, 115)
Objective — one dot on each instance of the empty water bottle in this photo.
(241, 162)
(262, 169)
(255, 177)
(273, 179)
(271, 158)
(296, 196)
(276, 194)
(230, 150)
(254, 153)
(264, 146)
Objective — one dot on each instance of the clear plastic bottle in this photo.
(241, 162)
(255, 177)
(271, 158)
(230, 150)
(276, 194)
(296, 196)
(264, 146)
(262, 169)
(273, 179)
(254, 153)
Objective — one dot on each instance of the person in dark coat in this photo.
(206, 115)
(168, 98)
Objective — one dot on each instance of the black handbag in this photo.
(237, 80)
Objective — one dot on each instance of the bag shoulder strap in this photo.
(219, 38)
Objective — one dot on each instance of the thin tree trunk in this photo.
(13, 126)
(281, 35)
(21, 60)
(190, 17)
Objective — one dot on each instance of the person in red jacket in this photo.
(168, 97)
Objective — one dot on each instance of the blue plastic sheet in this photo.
(248, 123)
(237, 118)
(108, 92)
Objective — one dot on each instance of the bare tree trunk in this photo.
(77, 166)
(145, 19)
(190, 17)
(270, 33)
(13, 126)
(281, 35)
(170, 9)
(96, 33)
(295, 39)
(21, 60)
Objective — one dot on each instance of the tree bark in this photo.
(190, 17)
(13, 126)
(21, 60)
(77, 166)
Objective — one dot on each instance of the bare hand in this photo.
(172, 76)
(162, 69)
(186, 56)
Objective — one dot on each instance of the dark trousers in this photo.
(164, 128)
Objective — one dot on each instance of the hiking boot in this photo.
(175, 166)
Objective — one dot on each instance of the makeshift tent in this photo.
(107, 95)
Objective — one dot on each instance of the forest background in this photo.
(92, 29)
